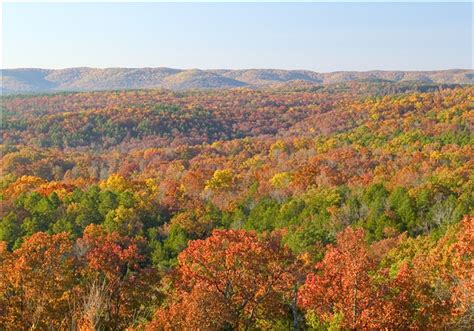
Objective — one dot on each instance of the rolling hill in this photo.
(32, 80)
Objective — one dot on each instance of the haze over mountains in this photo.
(26, 80)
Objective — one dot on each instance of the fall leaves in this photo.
(357, 287)
(52, 281)
(272, 209)
(237, 279)
(234, 276)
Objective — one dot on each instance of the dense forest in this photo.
(304, 207)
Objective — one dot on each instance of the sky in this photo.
(322, 37)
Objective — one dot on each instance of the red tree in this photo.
(231, 279)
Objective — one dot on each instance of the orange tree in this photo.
(233, 279)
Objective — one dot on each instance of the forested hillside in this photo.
(343, 206)
(32, 80)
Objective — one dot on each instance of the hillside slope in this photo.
(91, 79)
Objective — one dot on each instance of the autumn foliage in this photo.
(234, 276)
(345, 206)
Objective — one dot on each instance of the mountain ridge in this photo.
(38, 80)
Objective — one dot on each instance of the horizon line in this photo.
(230, 69)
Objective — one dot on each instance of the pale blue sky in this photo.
(316, 36)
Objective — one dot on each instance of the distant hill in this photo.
(91, 79)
